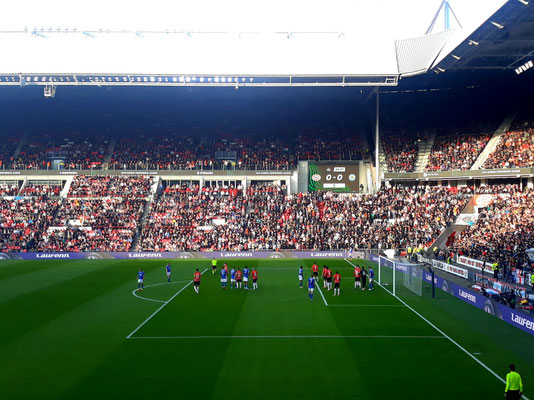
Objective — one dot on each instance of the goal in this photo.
(400, 277)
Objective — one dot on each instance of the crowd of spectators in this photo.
(101, 186)
(187, 218)
(9, 188)
(108, 224)
(8, 145)
(174, 151)
(456, 152)
(401, 151)
(270, 219)
(503, 231)
(192, 153)
(46, 190)
(515, 150)
(334, 148)
(24, 221)
(77, 151)
(89, 186)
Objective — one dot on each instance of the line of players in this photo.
(360, 279)
(238, 278)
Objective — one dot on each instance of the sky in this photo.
(395, 19)
(369, 29)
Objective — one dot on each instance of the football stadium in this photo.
(268, 200)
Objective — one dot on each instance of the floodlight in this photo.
(49, 91)
(455, 56)
(497, 25)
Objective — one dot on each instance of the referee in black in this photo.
(514, 385)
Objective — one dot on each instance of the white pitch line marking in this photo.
(156, 284)
(291, 337)
(321, 292)
(366, 305)
(448, 337)
(160, 308)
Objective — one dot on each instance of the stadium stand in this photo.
(40, 190)
(93, 225)
(101, 186)
(269, 219)
(342, 147)
(8, 188)
(8, 146)
(456, 152)
(515, 150)
(401, 151)
(225, 218)
(78, 151)
(24, 221)
(503, 231)
(173, 152)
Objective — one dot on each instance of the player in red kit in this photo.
(196, 280)
(324, 276)
(315, 271)
(254, 279)
(337, 281)
(238, 277)
(357, 277)
(329, 279)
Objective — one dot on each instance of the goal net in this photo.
(400, 277)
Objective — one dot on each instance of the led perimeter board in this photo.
(333, 176)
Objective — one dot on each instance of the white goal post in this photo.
(400, 277)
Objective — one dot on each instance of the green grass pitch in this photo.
(64, 328)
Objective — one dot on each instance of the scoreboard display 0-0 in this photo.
(333, 176)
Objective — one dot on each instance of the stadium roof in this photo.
(504, 41)
(350, 42)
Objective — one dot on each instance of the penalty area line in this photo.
(449, 338)
(161, 308)
(292, 337)
(366, 305)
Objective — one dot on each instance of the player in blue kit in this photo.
(245, 277)
(224, 278)
(140, 279)
(311, 286)
(371, 278)
(232, 278)
(301, 276)
(168, 271)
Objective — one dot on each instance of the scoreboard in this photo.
(334, 176)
